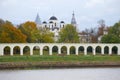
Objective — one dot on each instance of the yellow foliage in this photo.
(10, 34)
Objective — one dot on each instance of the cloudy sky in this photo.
(87, 12)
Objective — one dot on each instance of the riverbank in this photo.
(47, 65)
(72, 61)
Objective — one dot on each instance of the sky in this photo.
(87, 12)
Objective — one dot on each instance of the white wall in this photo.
(59, 45)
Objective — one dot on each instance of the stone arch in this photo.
(89, 50)
(98, 50)
(46, 50)
(81, 50)
(7, 50)
(55, 50)
(36, 50)
(64, 50)
(114, 50)
(16, 50)
(72, 50)
(26, 50)
(106, 50)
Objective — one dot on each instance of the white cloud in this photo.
(87, 12)
(93, 3)
(6, 3)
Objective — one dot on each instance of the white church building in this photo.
(53, 24)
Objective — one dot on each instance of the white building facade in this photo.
(54, 25)
(77, 46)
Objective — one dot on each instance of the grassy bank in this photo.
(47, 58)
(55, 61)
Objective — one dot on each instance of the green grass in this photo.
(56, 58)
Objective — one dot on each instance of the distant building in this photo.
(84, 37)
(102, 32)
(73, 20)
(37, 20)
(54, 25)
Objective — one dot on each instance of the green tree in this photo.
(113, 35)
(69, 34)
(10, 34)
(110, 38)
(115, 29)
(43, 35)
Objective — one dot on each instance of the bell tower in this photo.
(37, 20)
(73, 20)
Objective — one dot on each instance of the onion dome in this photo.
(44, 22)
(53, 18)
(62, 22)
(50, 22)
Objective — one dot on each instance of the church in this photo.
(54, 24)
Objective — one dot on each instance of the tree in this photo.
(101, 23)
(10, 34)
(28, 28)
(113, 35)
(69, 34)
(115, 29)
(110, 38)
(91, 35)
(43, 35)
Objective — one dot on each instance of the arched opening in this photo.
(16, 50)
(45, 50)
(106, 50)
(55, 50)
(89, 50)
(7, 50)
(72, 50)
(55, 24)
(26, 50)
(81, 50)
(98, 50)
(114, 50)
(36, 50)
(63, 50)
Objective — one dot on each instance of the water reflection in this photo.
(62, 74)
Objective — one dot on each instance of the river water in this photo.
(62, 74)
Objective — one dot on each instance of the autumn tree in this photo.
(41, 35)
(69, 34)
(28, 28)
(10, 34)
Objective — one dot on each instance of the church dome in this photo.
(44, 22)
(50, 22)
(62, 22)
(53, 18)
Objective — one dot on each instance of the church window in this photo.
(52, 26)
(55, 24)
(45, 26)
(63, 26)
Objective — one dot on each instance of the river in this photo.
(62, 74)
